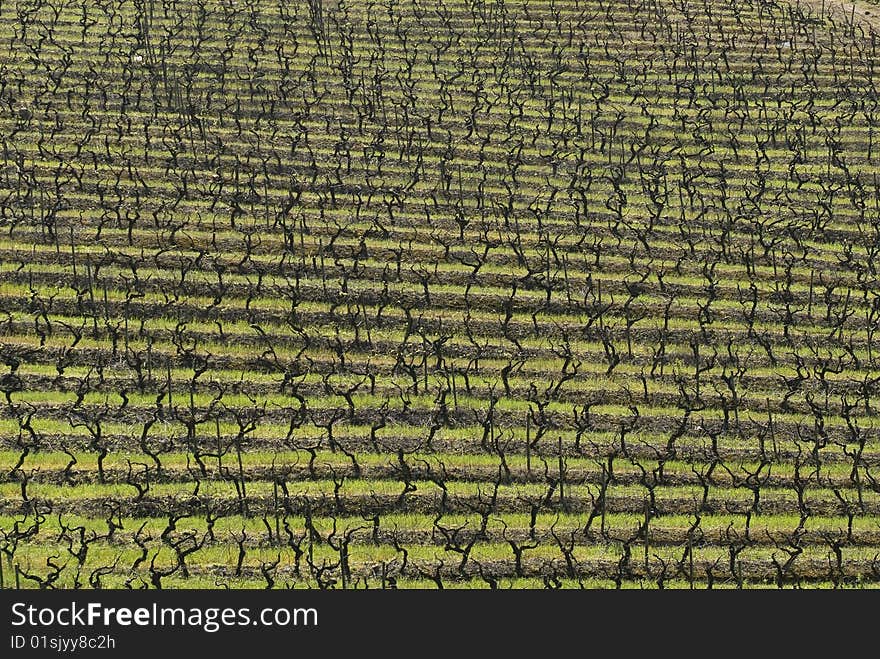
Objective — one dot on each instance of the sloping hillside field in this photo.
(439, 293)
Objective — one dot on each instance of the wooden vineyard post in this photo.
(691, 559)
(561, 475)
(219, 449)
(168, 386)
(647, 510)
(529, 444)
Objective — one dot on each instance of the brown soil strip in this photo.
(843, 10)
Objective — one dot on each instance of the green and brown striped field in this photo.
(459, 294)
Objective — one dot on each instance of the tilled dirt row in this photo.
(436, 501)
